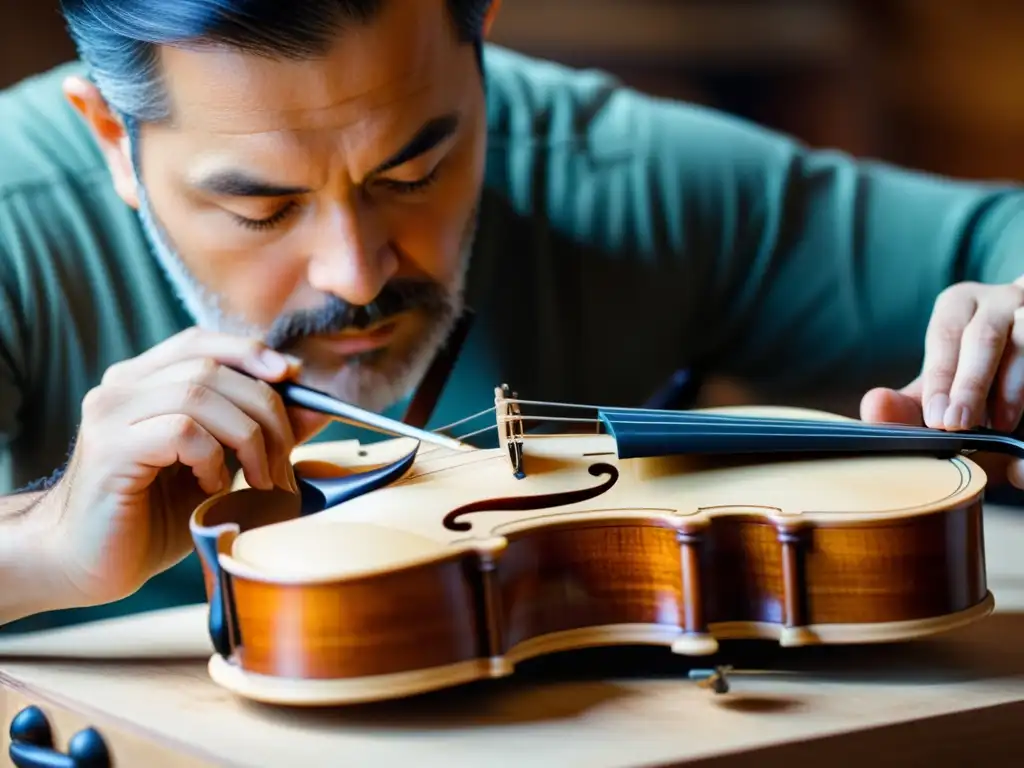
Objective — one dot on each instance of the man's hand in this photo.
(151, 446)
(973, 369)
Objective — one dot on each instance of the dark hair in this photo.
(116, 38)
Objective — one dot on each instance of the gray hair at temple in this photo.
(116, 39)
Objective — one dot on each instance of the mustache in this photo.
(336, 315)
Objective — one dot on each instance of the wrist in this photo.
(32, 573)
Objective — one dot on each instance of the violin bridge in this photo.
(510, 427)
(515, 457)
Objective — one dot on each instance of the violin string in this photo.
(519, 401)
(446, 428)
(784, 427)
(670, 417)
(759, 427)
(683, 418)
(545, 419)
(744, 427)
(619, 415)
(463, 420)
(476, 432)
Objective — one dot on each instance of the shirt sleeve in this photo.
(11, 363)
(809, 269)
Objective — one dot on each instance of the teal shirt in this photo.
(622, 237)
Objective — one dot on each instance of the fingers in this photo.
(190, 374)
(888, 406)
(162, 441)
(228, 424)
(981, 352)
(213, 412)
(1007, 400)
(249, 355)
(256, 399)
(953, 311)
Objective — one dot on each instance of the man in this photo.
(321, 187)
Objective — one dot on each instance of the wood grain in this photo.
(463, 566)
(419, 618)
(958, 694)
(127, 744)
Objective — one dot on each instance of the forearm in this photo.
(31, 578)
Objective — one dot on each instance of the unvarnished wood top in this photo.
(402, 524)
(594, 709)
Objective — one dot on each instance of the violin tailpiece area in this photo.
(424, 614)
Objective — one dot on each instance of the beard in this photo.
(374, 380)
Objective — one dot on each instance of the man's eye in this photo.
(267, 223)
(405, 187)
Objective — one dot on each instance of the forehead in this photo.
(405, 54)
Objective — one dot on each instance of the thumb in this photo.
(893, 406)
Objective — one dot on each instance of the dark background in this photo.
(934, 84)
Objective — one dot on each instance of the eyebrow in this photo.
(236, 183)
(241, 184)
(429, 136)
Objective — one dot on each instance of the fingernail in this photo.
(936, 410)
(294, 361)
(1008, 418)
(954, 416)
(966, 417)
(284, 479)
(261, 477)
(274, 362)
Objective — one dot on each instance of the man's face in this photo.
(284, 195)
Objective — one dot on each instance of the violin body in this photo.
(439, 567)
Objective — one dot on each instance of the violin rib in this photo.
(438, 567)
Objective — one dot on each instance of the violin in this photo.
(421, 562)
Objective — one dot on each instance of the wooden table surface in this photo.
(958, 697)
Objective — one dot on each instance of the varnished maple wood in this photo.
(142, 680)
(462, 568)
(575, 576)
(413, 619)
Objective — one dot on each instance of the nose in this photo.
(350, 256)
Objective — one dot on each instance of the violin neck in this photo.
(640, 434)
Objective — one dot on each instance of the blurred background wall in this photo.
(935, 84)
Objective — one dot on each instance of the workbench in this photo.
(142, 683)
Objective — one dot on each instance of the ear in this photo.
(109, 133)
(492, 14)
